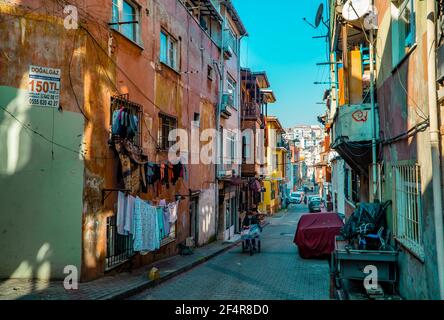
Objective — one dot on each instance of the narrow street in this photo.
(276, 273)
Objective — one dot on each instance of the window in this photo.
(231, 148)
(232, 90)
(273, 191)
(408, 207)
(125, 19)
(246, 148)
(121, 106)
(407, 17)
(210, 72)
(231, 39)
(352, 186)
(196, 119)
(403, 28)
(168, 50)
(166, 125)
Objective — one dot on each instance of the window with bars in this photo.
(166, 125)
(407, 217)
(126, 119)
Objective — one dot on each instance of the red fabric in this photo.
(315, 235)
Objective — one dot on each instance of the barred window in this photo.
(408, 207)
(166, 125)
(126, 119)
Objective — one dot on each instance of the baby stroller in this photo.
(251, 239)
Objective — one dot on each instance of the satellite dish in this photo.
(319, 14)
(355, 9)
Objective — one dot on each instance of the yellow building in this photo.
(275, 173)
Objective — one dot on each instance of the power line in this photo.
(51, 141)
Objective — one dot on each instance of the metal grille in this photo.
(119, 248)
(122, 100)
(408, 208)
(166, 124)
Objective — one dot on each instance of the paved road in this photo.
(277, 273)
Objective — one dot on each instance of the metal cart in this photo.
(350, 263)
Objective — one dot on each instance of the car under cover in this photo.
(315, 234)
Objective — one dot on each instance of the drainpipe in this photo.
(373, 108)
(221, 70)
(434, 142)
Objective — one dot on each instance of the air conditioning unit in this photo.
(228, 52)
(225, 174)
(227, 99)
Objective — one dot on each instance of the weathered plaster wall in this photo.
(41, 183)
(402, 98)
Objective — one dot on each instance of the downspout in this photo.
(434, 143)
(373, 109)
(221, 70)
(239, 112)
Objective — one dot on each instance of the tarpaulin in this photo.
(315, 234)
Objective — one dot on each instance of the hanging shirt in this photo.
(115, 128)
(121, 213)
(146, 227)
(162, 233)
(166, 221)
(172, 208)
(128, 226)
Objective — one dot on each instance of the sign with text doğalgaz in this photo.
(44, 86)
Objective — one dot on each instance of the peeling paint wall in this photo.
(41, 182)
(402, 98)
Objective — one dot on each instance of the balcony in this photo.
(251, 111)
(226, 171)
(227, 101)
(282, 145)
(352, 135)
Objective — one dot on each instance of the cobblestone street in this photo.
(276, 273)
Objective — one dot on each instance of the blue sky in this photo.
(281, 44)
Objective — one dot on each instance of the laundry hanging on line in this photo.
(147, 224)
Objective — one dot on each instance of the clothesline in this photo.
(146, 223)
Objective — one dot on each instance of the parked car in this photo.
(311, 198)
(295, 198)
(314, 205)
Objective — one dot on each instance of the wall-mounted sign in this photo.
(44, 86)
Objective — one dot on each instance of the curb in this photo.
(150, 284)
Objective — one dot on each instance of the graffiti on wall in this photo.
(360, 116)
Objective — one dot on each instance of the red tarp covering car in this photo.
(315, 235)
